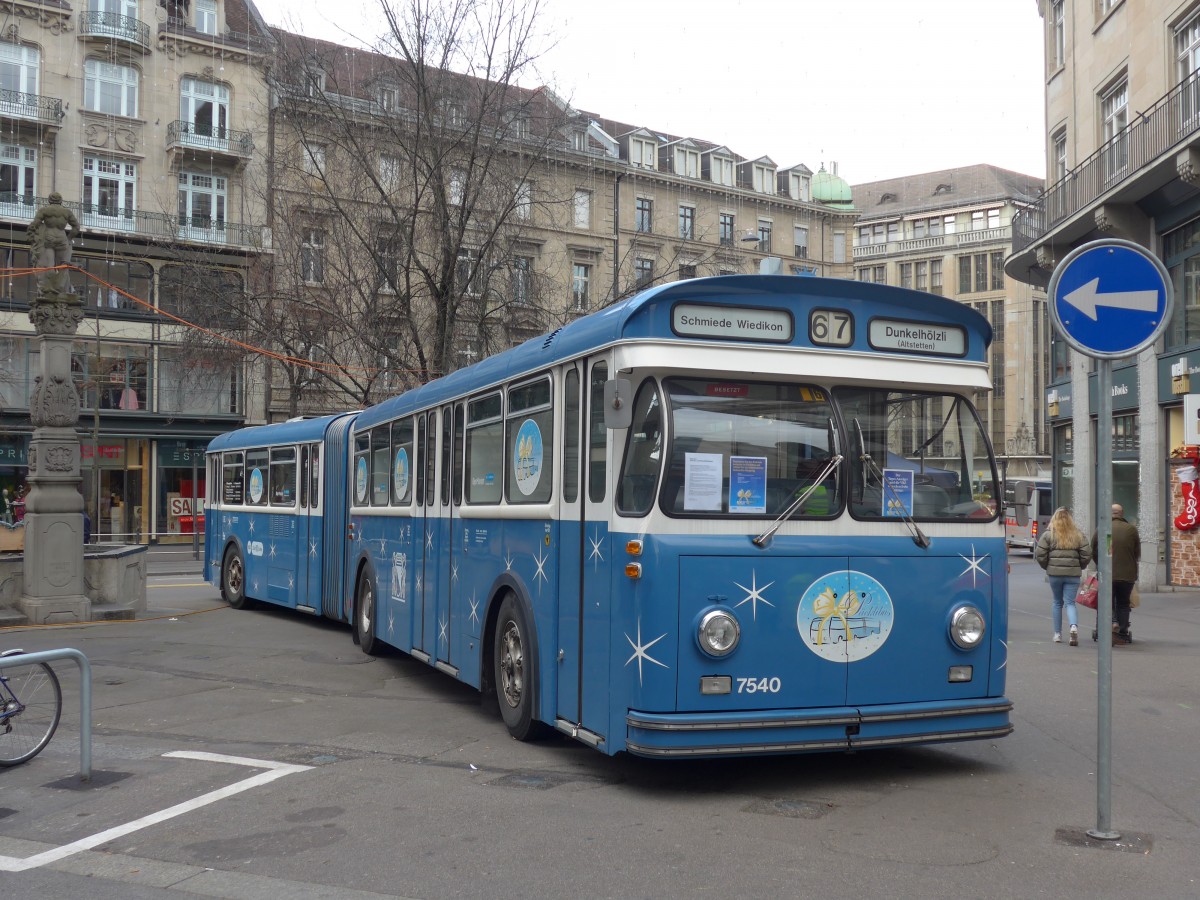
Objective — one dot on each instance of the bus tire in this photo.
(515, 671)
(233, 579)
(365, 609)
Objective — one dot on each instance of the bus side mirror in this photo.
(618, 403)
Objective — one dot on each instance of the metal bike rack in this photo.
(85, 696)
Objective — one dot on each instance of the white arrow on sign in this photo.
(1086, 298)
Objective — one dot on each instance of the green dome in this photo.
(831, 189)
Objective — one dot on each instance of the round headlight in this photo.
(719, 633)
(966, 627)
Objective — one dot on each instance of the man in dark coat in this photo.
(1126, 551)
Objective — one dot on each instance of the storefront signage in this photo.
(13, 451)
(918, 337)
(181, 454)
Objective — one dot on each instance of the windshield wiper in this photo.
(798, 503)
(918, 536)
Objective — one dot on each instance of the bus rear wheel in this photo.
(233, 579)
(364, 614)
(515, 671)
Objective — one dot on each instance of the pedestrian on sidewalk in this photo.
(1125, 548)
(1064, 553)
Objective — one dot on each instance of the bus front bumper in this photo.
(760, 732)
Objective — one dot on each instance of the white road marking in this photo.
(274, 770)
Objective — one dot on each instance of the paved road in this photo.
(390, 780)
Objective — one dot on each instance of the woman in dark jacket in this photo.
(1064, 553)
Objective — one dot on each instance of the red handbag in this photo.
(1088, 592)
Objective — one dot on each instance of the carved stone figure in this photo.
(54, 402)
(50, 245)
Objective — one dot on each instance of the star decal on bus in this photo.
(507, 563)
(443, 634)
(418, 583)
(754, 594)
(291, 581)
(428, 541)
(639, 650)
(454, 572)
(312, 548)
(383, 547)
(597, 543)
(251, 526)
(391, 623)
(541, 567)
(974, 564)
(474, 609)
(271, 550)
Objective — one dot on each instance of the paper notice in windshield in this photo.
(747, 484)
(898, 492)
(702, 481)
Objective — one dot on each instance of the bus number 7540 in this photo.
(758, 685)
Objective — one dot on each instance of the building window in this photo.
(922, 270)
(977, 220)
(993, 218)
(764, 235)
(643, 219)
(1058, 33)
(312, 256)
(582, 208)
(18, 175)
(468, 272)
(313, 159)
(389, 171)
(1058, 153)
(643, 270)
(205, 107)
(202, 199)
(109, 187)
(997, 319)
(687, 222)
(1187, 54)
(581, 286)
(388, 99)
(687, 162)
(720, 170)
(314, 82)
(764, 180)
(997, 270)
(801, 242)
(725, 229)
(906, 275)
(981, 272)
(642, 153)
(880, 274)
(523, 201)
(387, 259)
(799, 187)
(458, 188)
(1114, 111)
(521, 266)
(964, 274)
(949, 224)
(19, 67)
(206, 16)
(935, 277)
(686, 271)
(920, 227)
(110, 88)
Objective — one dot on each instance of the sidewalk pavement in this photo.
(174, 559)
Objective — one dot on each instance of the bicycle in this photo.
(30, 709)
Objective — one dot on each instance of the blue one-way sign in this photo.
(1110, 298)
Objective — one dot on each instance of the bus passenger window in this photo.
(283, 476)
(233, 480)
(530, 447)
(381, 453)
(643, 453)
(402, 459)
(597, 467)
(570, 466)
(361, 477)
(484, 449)
(256, 477)
(314, 490)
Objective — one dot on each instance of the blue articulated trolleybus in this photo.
(734, 515)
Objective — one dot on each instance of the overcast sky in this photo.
(884, 88)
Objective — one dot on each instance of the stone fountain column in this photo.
(53, 580)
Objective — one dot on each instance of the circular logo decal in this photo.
(400, 475)
(527, 461)
(845, 616)
(360, 480)
(256, 485)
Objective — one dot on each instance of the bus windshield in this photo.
(921, 454)
(742, 448)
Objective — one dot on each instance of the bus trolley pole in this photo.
(1103, 830)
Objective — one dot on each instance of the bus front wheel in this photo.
(364, 614)
(515, 671)
(233, 579)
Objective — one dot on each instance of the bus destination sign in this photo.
(738, 323)
(918, 337)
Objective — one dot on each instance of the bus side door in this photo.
(308, 570)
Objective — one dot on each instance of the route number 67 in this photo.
(831, 327)
(759, 685)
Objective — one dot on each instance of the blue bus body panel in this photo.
(842, 644)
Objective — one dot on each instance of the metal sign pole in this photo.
(1103, 829)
